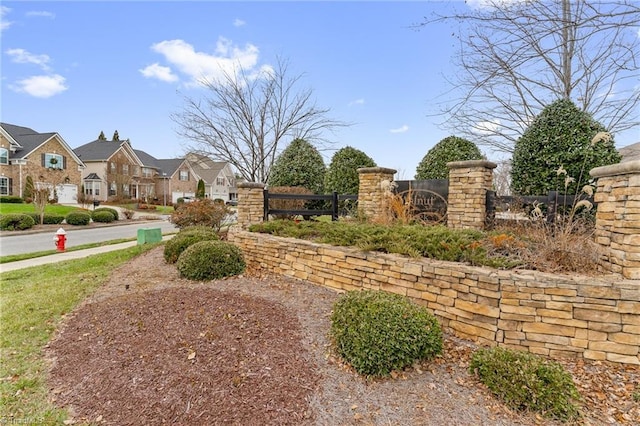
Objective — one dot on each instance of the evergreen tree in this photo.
(342, 174)
(452, 148)
(560, 147)
(300, 164)
(101, 136)
(28, 189)
(116, 136)
(200, 190)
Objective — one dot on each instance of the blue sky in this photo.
(78, 68)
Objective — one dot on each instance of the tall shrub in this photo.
(200, 189)
(342, 174)
(557, 151)
(451, 148)
(300, 164)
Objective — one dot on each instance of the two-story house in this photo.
(42, 158)
(114, 170)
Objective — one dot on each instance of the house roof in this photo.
(169, 166)
(26, 140)
(630, 152)
(98, 150)
(205, 167)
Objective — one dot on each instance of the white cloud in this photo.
(210, 66)
(21, 56)
(239, 23)
(41, 86)
(4, 24)
(487, 127)
(41, 13)
(158, 71)
(401, 129)
(357, 102)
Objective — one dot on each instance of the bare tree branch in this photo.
(247, 119)
(515, 58)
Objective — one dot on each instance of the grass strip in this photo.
(33, 303)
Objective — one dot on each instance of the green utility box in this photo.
(149, 235)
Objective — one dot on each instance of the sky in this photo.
(79, 68)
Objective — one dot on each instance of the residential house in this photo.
(44, 157)
(219, 179)
(630, 152)
(116, 170)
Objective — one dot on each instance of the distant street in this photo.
(29, 243)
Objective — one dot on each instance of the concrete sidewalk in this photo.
(68, 255)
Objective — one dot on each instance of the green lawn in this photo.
(6, 208)
(33, 302)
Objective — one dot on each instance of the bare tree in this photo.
(516, 57)
(247, 118)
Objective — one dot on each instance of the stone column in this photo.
(376, 183)
(469, 182)
(618, 217)
(250, 203)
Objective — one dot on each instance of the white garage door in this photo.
(67, 193)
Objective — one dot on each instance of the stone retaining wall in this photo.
(547, 314)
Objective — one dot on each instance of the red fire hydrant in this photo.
(60, 239)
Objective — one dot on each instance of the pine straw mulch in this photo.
(151, 348)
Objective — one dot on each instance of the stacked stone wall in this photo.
(547, 314)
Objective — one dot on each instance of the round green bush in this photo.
(113, 212)
(434, 164)
(102, 216)
(52, 219)
(378, 332)
(342, 174)
(16, 221)
(208, 260)
(78, 218)
(527, 382)
(197, 228)
(174, 247)
(299, 165)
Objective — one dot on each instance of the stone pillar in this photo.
(469, 182)
(618, 217)
(250, 203)
(376, 184)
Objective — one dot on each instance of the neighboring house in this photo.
(114, 170)
(630, 152)
(45, 157)
(219, 179)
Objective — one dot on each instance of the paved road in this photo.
(29, 243)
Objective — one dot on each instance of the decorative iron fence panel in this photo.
(332, 201)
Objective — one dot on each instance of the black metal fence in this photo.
(553, 203)
(332, 202)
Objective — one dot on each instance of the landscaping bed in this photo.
(149, 348)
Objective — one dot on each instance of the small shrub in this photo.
(11, 199)
(208, 260)
(49, 219)
(78, 218)
(527, 382)
(16, 222)
(103, 216)
(174, 247)
(201, 212)
(378, 332)
(113, 212)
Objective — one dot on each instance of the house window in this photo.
(113, 188)
(4, 156)
(184, 175)
(112, 167)
(147, 172)
(125, 169)
(136, 170)
(220, 181)
(92, 188)
(53, 161)
(4, 185)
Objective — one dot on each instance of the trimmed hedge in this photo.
(174, 247)
(11, 199)
(16, 222)
(378, 332)
(102, 216)
(113, 212)
(208, 260)
(78, 218)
